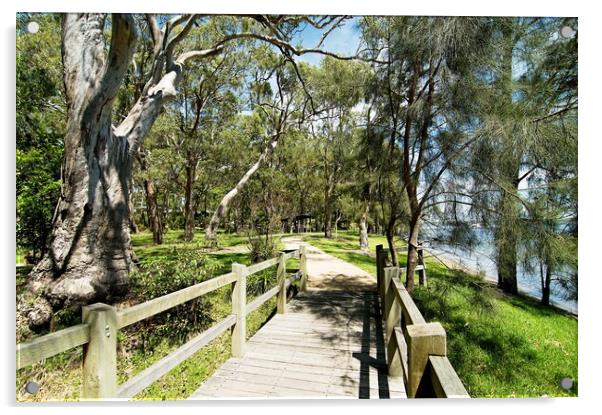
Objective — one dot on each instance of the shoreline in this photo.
(454, 262)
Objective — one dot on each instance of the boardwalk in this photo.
(329, 343)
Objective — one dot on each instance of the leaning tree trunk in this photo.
(220, 212)
(390, 234)
(89, 255)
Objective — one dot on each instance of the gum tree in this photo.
(89, 254)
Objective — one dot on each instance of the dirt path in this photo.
(326, 272)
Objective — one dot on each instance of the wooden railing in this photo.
(101, 322)
(415, 349)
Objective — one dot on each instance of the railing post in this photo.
(423, 340)
(303, 266)
(392, 309)
(99, 380)
(392, 318)
(239, 303)
(280, 277)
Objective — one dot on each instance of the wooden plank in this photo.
(155, 306)
(349, 345)
(257, 302)
(159, 369)
(51, 344)
(255, 268)
(370, 378)
(410, 311)
(321, 350)
(293, 254)
(445, 380)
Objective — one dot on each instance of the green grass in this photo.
(501, 346)
(145, 343)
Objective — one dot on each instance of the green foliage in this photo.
(161, 275)
(40, 126)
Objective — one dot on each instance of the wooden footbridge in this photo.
(344, 335)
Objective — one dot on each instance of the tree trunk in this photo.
(390, 234)
(152, 211)
(188, 201)
(364, 231)
(89, 256)
(506, 238)
(412, 252)
(133, 225)
(211, 231)
(150, 194)
(328, 189)
(507, 244)
(327, 220)
(545, 292)
(364, 221)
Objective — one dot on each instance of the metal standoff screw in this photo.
(566, 383)
(32, 387)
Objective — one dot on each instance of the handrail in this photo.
(157, 305)
(51, 344)
(416, 349)
(101, 323)
(145, 378)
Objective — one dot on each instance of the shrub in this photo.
(163, 274)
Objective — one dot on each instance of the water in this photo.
(480, 260)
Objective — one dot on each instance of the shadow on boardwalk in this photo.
(329, 343)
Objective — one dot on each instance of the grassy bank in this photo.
(501, 346)
(163, 269)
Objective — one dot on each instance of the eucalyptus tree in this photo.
(89, 256)
(277, 111)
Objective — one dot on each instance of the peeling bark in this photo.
(89, 256)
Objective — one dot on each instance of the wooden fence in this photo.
(415, 349)
(100, 324)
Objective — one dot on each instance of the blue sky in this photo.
(343, 40)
